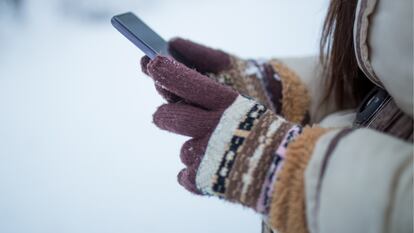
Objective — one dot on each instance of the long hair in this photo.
(343, 80)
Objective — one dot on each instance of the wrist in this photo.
(244, 154)
(295, 99)
(269, 82)
(287, 207)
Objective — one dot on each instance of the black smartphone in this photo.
(129, 25)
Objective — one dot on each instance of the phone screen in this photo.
(140, 34)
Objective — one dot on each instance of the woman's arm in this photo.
(244, 153)
(360, 181)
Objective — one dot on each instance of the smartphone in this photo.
(135, 30)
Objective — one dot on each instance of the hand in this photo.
(254, 78)
(237, 144)
(268, 82)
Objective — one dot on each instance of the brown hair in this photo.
(344, 81)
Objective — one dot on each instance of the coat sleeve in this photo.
(359, 181)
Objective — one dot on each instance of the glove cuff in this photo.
(271, 83)
(244, 153)
(296, 100)
(220, 151)
(287, 210)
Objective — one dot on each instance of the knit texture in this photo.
(218, 146)
(287, 211)
(240, 150)
(244, 153)
(255, 79)
(269, 82)
(260, 79)
(187, 83)
(199, 57)
(185, 119)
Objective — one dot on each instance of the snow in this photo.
(78, 151)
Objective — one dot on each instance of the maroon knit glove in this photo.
(254, 78)
(237, 144)
(267, 81)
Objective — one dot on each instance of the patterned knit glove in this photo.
(268, 82)
(237, 146)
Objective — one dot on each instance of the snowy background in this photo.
(78, 152)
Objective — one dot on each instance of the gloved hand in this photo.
(237, 144)
(268, 82)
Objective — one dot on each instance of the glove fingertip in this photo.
(160, 116)
(144, 64)
(186, 178)
(177, 44)
(157, 64)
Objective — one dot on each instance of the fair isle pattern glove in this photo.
(267, 81)
(238, 146)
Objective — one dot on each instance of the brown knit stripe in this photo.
(261, 80)
(236, 74)
(245, 127)
(257, 91)
(249, 85)
(232, 77)
(258, 141)
(273, 88)
(241, 163)
(259, 175)
(249, 199)
(234, 184)
(296, 100)
(287, 209)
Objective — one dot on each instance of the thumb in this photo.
(199, 57)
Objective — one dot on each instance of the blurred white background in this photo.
(78, 151)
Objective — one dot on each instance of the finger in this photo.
(168, 96)
(189, 84)
(199, 57)
(144, 63)
(193, 150)
(186, 178)
(185, 119)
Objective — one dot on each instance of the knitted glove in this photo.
(238, 146)
(268, 82)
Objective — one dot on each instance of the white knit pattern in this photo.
(264, 140)
(219, 142)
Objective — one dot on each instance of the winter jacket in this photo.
(359, 176)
